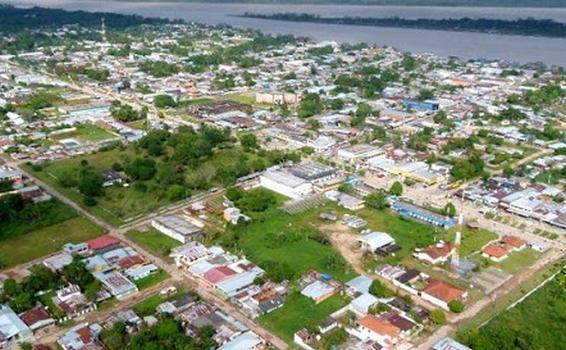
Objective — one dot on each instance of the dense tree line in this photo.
(14, 19)
(521, 26)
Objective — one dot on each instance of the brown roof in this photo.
(437, 251)
(379, 326)
(513, 241)
(35, 315)
(442, 290)
(496, 250)
(397, 320)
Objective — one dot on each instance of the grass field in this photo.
(472, 239)
(519, 260)
(154, 241)
(85, 133)
(152, 280)
(536, 323)
(44, 241)
(147, 307)
(299, 312)
(279, 237)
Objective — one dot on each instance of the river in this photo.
(521, 49)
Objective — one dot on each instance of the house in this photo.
(12, 328)
(139, 272)
(37, 317)
(441, 293)
(76, 249)
(496, 251)
(303, 338)
(245, 341)
(359, 285)
(318, 291)
(103, 243)
(375, 240)
(234, 215)
(177, 228)
(449, 344)
(285, 183)
(81, 337)
(435, 254)
(72, 301)
(371, 327)
(118, 285)
(328, 324)
(57, 262)
(345, 200)
(363, 303)
(190, 253)
(515, 242)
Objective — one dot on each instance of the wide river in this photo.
(520, 49)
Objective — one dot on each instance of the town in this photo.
(173, 184)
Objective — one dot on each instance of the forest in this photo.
(521, 26)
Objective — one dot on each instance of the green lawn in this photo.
(536, 323)
(277, 237)
(154, 241)
(472, 239)
(147, 307)
(44, 241)
(299, 312)
(152, 280)
(85, 133)
(519, 260)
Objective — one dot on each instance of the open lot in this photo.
(85, 133)
(299, 312)
(154, 241)
(44, 241)
(152, 280)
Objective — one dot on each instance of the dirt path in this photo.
(345, 241)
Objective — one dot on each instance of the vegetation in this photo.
(154, 241)
(126, 113)
(521, 26)
(377, 200)
(300, 312)
(19, 216)
(537, 322)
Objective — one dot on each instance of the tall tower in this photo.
(103, 29)
(456, 257)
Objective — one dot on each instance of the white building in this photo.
(285, 183)
(176, 228)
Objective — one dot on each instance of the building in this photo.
(318, 291)
(191, 253)
(285, 183)
(375, 240)
(118, 285)
(421, 214)
(12, 328)
(245, 341)
(371, 327)
(441, 293)
(37, 318)
(277, 98)
(426, 106)
(314, 172)
(496, 252)
(81, 337)
(449, 344)
(435, 254)
(177, 228)
(57, 262)
(358, 153)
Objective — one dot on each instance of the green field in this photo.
(85, 133)
(152, 280)
(147, 307)
(154, 241)
(44, 241)
(277, 237)
(536, 323)
(299, 312)
(519, 260)
(472, 239)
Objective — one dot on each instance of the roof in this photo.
(218, 274)
(513, 241)
(234, 284)
(316, 290)
(37, 314)
(438, 250)
(363, 303)
(496, 250)
(442, 290)
(10, 324)
(244, 341)
(284, 178)
(360, 284)
(379, 326)
(397, 320)
(449, 344)
(178, 225)
(102, 242)
(376, 239)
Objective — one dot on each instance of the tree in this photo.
(437, 316)
(378, 289)
(456, 306)
(396, 189)
(141, 169)
(77, 273)
(176, 192)
(90, 183)
(310, 105)
(377, 200)
(249, 141)
(164, 101)
(450, 210)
